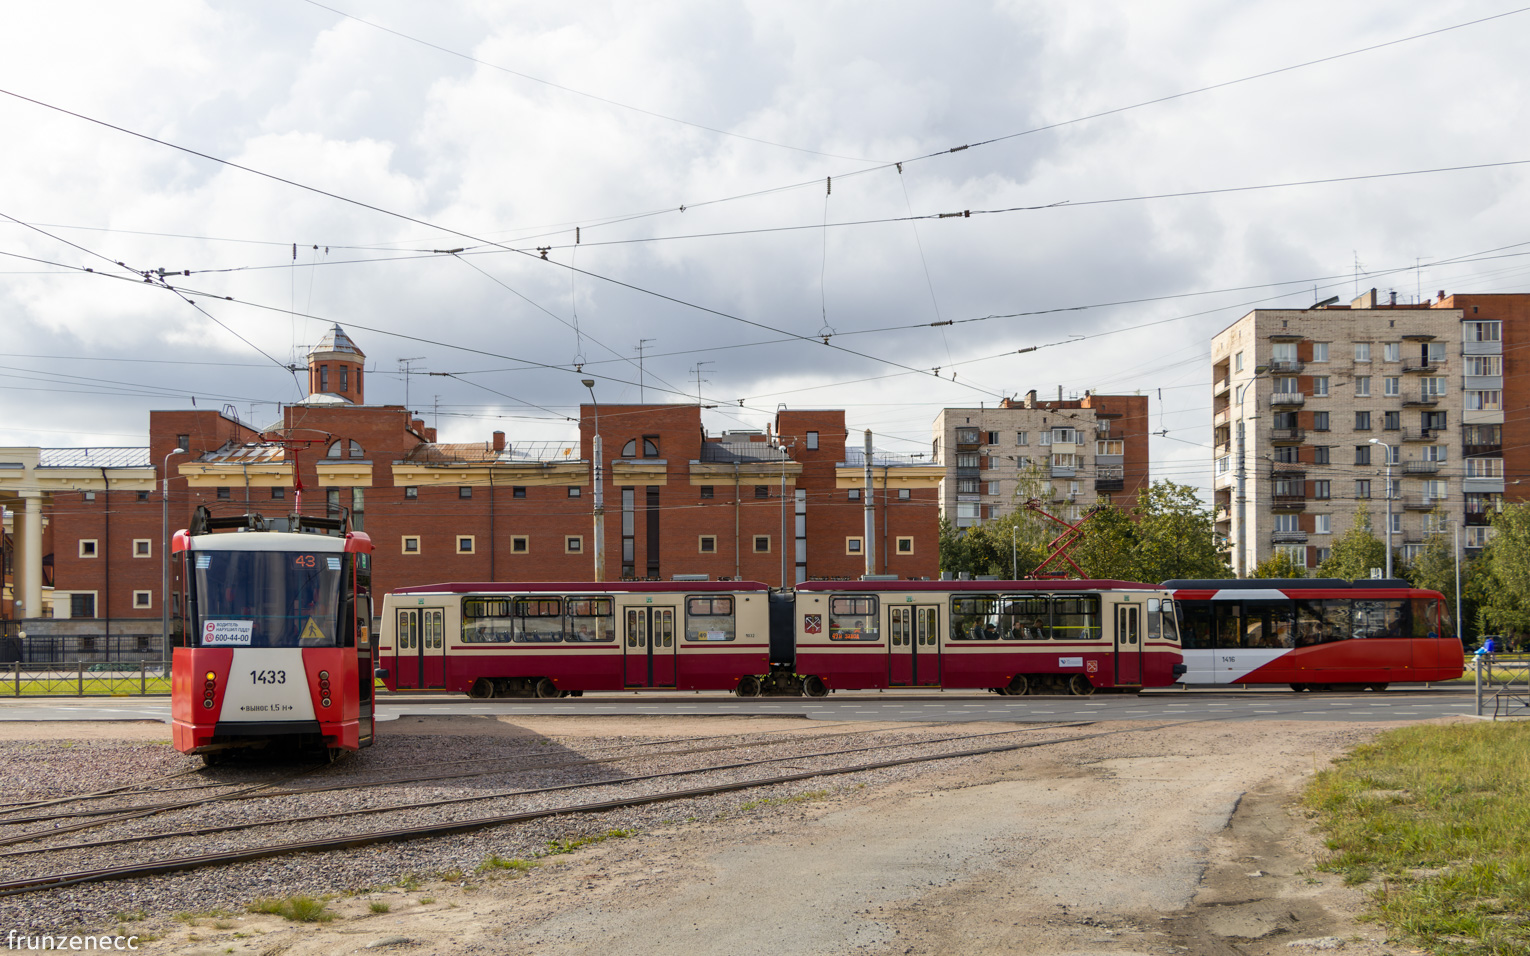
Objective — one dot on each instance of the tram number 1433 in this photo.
(268, 677)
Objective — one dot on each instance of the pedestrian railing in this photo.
(1503, 684)
(84, 679)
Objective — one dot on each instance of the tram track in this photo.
(472, 824)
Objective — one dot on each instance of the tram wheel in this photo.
(748, 686)
(1018, 686)
(813, 686)
(1298, 687)
(212, 758)
(1378, 688)
(546, 688)
(481, 689)
(1079, 686)
(335, 753)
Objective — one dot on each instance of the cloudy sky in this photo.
(748, 193)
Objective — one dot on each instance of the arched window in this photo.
(650, 446)
(629, 450)
(356, 451)
(335, 450)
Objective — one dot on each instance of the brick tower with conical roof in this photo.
(335, 366)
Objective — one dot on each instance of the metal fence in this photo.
(1503, 685)
(84, 679)
(71, 648)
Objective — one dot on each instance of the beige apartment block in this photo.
(1070, 454)
(1313, 410)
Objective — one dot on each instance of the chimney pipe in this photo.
(499, 441)
(1394, 296)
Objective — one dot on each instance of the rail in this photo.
(84, 679)
(1503, 681)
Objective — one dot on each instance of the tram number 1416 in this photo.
(268, 677)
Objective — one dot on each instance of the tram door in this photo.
(650, 647)
(1128, 644)
(421, 643)
(914, 646)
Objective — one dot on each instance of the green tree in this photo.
(1356, 552)
(1435, 569)
(1009, 546)
(1505, 583)
(1279, 565)
(1169, 534)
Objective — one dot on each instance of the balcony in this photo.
(1063, 471)
(1479, 518)
(962, 472)
(1289, 503)
(1420, 398)
(1287, 436)
(1288, 471)
(1420, 502)
(1420, 365)
(1289, 537)
(1219, 387)
(1421, 467)
(1288, 398)
(1482, 451)
(1222, 516)
(1422, 434)
(1289, 368)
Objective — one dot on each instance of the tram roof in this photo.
(1059, 584)
(579, 587)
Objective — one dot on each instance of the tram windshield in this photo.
(267, 598)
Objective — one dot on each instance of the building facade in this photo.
(1069, 454)
(1397, 411)
(86, 527)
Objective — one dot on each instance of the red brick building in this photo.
(780, 506)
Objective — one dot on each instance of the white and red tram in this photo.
(274, 642)
(556, 639)
(1315, 633)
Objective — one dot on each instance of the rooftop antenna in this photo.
(642, 344)
(699, 379)
(407, 368)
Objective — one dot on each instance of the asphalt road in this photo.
(1402, 703)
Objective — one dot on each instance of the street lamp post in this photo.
(164, 555)
(600, 497)
(1388, 492)
(1240, 567)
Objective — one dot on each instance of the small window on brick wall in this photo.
(411, 492)
(761, 543)
(87, 547)
(465, 544)
(143, 547)
(143, 599)
(465, 491)
(707, 544)
(573, 544)
(410, 544)
(518, 491)
(905, 545)
(520, 544)
(762, 491)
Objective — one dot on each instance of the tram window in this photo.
(1170, 622)
(1026, 619)
(1379, 618)
(853, 619)
(591, 620)
(709, 619)
(1229, 624)
(1267, 624)
(1154, 621)
(1322, 622)
(486, 621)
(1199, 626)
(538, 620)
(975, 618)
(1428, 618)
(1076, 617)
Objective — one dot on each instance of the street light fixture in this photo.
(600, 499)
(1388, 492)
(164, 556)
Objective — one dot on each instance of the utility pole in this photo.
(869, 510)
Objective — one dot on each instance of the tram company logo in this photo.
(74, 943)
(812, 623)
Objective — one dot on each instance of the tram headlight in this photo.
(323, 675)
(324, 702)
(209, 690)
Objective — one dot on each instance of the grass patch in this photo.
(1439, 819)
(299, 909)
(555, 847)
(808, 797)
(517, 865)
(380, 907)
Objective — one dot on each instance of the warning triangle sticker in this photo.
(311, 634)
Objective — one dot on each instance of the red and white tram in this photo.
(1314, 634)
(273, 636)
(551, 640)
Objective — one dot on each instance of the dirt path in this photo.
(1180, 841)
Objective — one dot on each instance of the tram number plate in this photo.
(268, 677)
